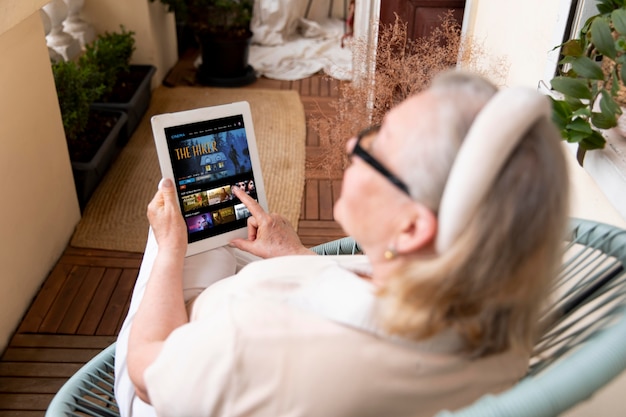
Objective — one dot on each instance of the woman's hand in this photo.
(162, 308)
(269, 235)
(167, 223)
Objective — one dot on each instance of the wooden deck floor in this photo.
(81, 305)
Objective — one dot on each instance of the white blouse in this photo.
(295, 336)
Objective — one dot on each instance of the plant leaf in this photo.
(571, 87)
(619, 20)
(573, 136)
(614, 83)
(606, 6)
(580, 126)
(572, 48)
(561, 107)
(622, 73)
(593, 141)
(587, 68)
(561, 113)
(603, 121)
(602, 38)
(580, 155)
(608, 105)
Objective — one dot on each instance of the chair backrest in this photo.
(89, 392)
(583, 344)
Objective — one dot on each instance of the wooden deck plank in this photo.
(59, 355)
(97, 306)
(336, 189)
(312, 138)
(326, 200)
(101, 253)
(116, 309)
(31, 385)
(322, 234)
(83, 299)
(305, 87)
(319, 224)
(311, 195)
(27, 369)
(25, 402)
(70, 288)
(45, 298)
(102, 261)
(335, 86)
(315, 86)
(311, 241)
(324, 90)
(22, 413)
(61, 341)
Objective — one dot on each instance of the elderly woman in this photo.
(459, 202)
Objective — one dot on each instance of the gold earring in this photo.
(390, 254)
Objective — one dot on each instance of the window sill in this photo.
(608, 169)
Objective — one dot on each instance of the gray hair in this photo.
(459, 97)
(490, 284)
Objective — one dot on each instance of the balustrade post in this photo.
(63, 43)
(75, 25)
(47, 26)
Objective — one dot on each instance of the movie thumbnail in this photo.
(220, 195)
(195, 201)
(247, 185)
(199, 223)
(241, 211)
(223, 215)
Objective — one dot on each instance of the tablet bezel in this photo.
(163, 121)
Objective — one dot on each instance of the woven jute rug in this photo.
(115, 217)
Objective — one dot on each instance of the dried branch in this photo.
(403, 67)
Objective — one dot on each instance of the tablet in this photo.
(207, 152)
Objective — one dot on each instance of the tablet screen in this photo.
(208, 159)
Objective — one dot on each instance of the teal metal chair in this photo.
(89, 392)
(583, 346)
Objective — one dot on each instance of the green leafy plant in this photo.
(110, 53)
(591, 78)
(77, 87)
(227, 18)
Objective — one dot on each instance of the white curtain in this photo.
(290, 44)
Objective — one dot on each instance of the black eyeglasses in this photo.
(366, 136)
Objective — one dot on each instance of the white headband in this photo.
(496, 131)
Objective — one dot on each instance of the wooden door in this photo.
(422, 16)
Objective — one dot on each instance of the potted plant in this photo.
(591, 78)
(222, 28)
(91, 134)
(127, 87)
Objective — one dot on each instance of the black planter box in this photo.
(87, 175)
(137, 105)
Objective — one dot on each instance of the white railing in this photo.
(66, 32)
